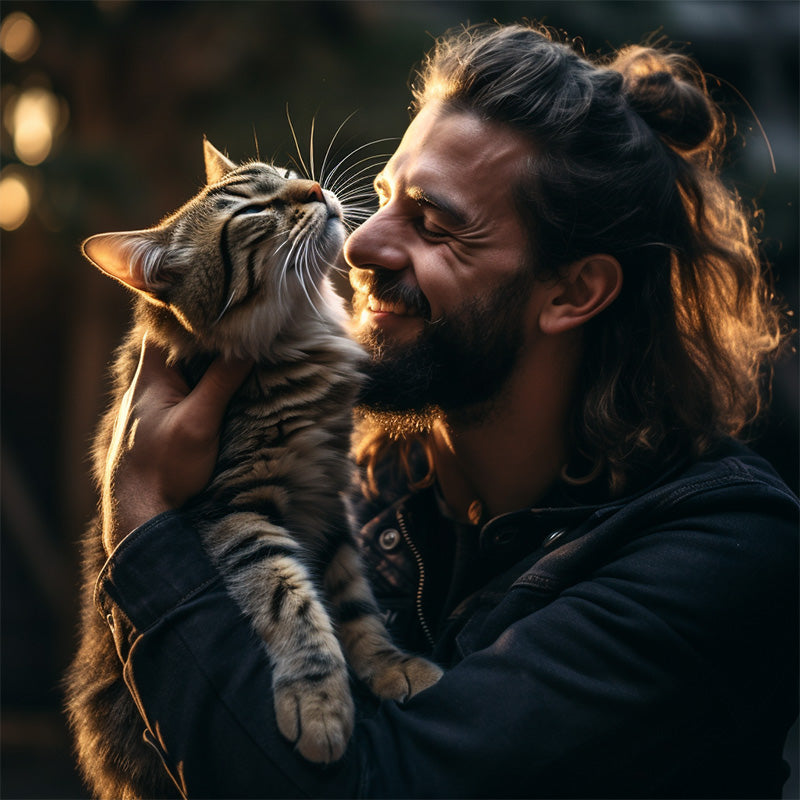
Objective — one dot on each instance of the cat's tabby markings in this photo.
(241, 269)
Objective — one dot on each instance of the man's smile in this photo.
(397, 307)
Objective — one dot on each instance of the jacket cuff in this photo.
(153, 570)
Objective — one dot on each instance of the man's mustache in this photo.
(389, 287)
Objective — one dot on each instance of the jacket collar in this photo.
(563, 509)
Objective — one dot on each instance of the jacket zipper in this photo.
(401, 522)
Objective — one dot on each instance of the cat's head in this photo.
(245, 257)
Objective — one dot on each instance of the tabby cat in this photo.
(241, 269)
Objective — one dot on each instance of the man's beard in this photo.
(458, 365)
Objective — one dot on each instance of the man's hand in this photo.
(165, 441)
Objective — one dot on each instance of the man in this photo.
(566, 318)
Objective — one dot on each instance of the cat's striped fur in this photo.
(241, 269)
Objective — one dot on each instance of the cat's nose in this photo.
(315, 194)
(311, 192)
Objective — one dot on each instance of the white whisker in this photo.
(361, 179)
(333, 172)
(376, 158)
(348, 172)
(288, 259)
(322, 176)
(311, 148)
(225, 307)
(302, 279)
(296, 143)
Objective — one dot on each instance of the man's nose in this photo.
(378, 243)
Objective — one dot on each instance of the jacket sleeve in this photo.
(603, 690)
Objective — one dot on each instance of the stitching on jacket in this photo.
(163, 615)
(532, 580)
(743, 476)
(737, 474)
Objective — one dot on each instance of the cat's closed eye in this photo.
(254, 208)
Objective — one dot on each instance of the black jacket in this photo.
(646, 647)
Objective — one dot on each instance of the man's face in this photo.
(441, 272)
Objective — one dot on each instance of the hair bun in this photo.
(668, 92)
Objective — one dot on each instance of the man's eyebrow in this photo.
(439, 203)
(424, 198)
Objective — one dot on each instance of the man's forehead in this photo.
(441, 143)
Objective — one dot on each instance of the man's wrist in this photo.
(151, 571)
(127, 512)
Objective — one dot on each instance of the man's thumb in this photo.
(211, 395)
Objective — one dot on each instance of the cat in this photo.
(242, 269)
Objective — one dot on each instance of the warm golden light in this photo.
(32, 119)
(15, 201)
(19, 36)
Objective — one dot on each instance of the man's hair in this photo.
(625, 154)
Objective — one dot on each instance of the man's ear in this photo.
(590, 284)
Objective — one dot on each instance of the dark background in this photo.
(134, 87)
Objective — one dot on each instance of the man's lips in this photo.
(385, 297)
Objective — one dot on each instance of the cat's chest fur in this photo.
(284, 446)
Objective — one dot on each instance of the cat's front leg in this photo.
(313, 705)
(387, 670)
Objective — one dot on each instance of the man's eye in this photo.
(431, 233)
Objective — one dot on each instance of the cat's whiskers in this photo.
(317, 270)
(353, 216)
(329, 178)
(358, 197)
(330, 145)
(311, 148)
(256, 240)
(304, 169)
(358, 177)
(302, 268)
(357, 191)
(286, 259)
(350, 175)
(225, 307)
(359, 202)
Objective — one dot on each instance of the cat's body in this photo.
(273, 518)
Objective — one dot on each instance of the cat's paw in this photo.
(399, 680)
(316, 715)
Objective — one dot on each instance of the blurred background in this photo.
(104, 106)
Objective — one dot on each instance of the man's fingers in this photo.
(210, 398)
(163, 388)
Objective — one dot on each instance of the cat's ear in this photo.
(217, 165)
(134, 257)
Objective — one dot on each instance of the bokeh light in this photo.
(15, 199)
(19, 36)
(32, 118)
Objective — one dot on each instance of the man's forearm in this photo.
(200, 677)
